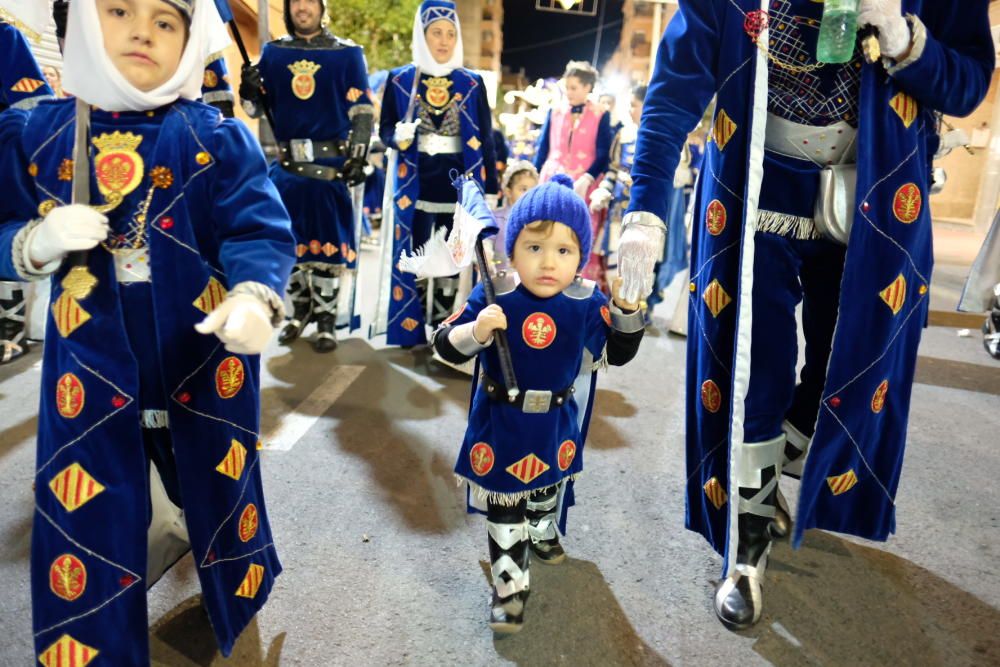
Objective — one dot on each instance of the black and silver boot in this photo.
(543, 526)
(739, 597)
(300, 291)
(991, 327)
(324, 293)
(12, 313)
(796, 448)
(509, 555)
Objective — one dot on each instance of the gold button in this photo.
(923, 289)
(33, 169)
(150, 114)
(202, 158)
(692, 287)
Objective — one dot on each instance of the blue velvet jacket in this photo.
(22, 84)
(216, 86)
(214, 221)
(850, 480)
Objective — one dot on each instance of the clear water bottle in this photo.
(837, 31)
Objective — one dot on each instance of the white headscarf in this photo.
(422, 57)
(89, 74)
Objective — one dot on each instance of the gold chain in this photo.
(798, 69)
(135, 238)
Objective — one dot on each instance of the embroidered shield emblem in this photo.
(304, 78)
(715, 217)
(437, 91)
(229, 377)
(481, 458)
(68, 577)
(248, 523)
(711, 397)
(907, 203)
(69, 396)
(211, 79)
(538, 330)
(118, 165)
(567, 453)
(878, 399)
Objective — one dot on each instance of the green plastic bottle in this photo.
(837, 31)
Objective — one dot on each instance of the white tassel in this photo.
(507, 499)
(782, 224)
(154, 419)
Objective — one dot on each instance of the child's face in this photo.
(546, 260)
(518, 186)
(636, 109)
(144, 39)
(576, 90)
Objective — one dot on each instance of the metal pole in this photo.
(600, 30)
(655, 37)
(265, 129)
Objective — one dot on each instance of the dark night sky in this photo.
(524, 26)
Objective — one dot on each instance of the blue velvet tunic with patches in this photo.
(219, 222)
(312, 87)
(22, 84)
(853, 469)
(507, 452)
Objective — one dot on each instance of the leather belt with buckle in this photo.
(531, 401)
(307, 150)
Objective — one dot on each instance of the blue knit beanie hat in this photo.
(556, 201)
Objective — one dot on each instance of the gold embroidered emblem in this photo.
(538, 330)
(229, 377)
(894, 295)
(67, 577)
(251, 582)
(210, 297)
(716, 494)
(404, 202)
(878, 399)
(27, 85)
(715, 217)
(437, 91)
(528, 468)
(566, 455)
(66, 170)
(907, 203)
(118, 165)
(716, 298)
(67, 652)
(68, 314)
(481, 458)
(249, 522)
(711, 397)
(236, 458)
(74, 487)
(70, 396)
(315, 247)
(211, 79)
(161, 177)
(474, 143)
(905, 107)
(46, 207)
(397, 293)
(304, 78)
(354, 94)
(723, 129)
(402, 171)
(842, 483)
(409, 324)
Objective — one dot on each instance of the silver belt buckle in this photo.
(302, 150)
(536, 402)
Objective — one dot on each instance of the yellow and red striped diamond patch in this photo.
(27, 85)
(716, 494)
(716, 298)
(210, 297)
(905, 107)
(236, 458)
(68, 314)
(528, 468)
(74, 487)
(842, 483)
(251, 582)
(894, 295)
(67, 652)
(723, 129)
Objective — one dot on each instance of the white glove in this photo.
(242, 322)
(893, 30)
(64, 230)
(599, 199)
(639, 248)
(582, 184)
(404, 133)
